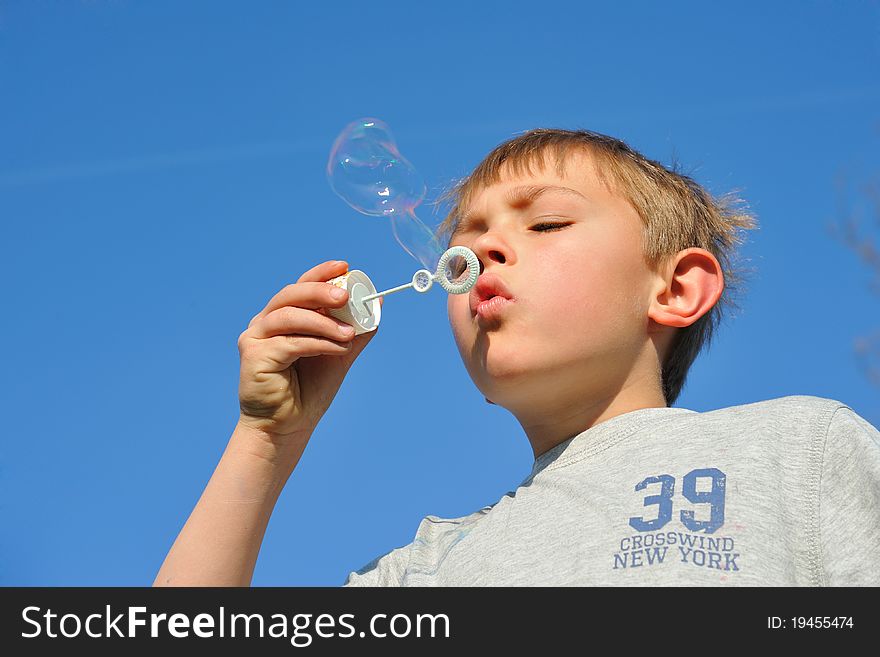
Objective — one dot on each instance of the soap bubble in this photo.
(456, 270)
(417, 239)
(368, 172)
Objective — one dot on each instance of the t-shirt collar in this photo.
(602, 435)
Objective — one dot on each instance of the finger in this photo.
(359, 343)
(291, 320)
(324, 271)
(281, 351)
(312, 295)
(319, 273)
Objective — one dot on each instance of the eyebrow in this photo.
(520, 198)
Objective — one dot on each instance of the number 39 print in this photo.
(663, 499)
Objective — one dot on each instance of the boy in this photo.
(607, 277)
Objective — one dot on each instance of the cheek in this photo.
(589, 291)
(569, 283)
(458, 312)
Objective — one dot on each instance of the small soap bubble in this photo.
(423, 279)
(456, 270)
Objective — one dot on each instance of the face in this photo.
(572, 260)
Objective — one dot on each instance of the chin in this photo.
(498, 370)
(505, 369)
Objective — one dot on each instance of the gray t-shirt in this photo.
(783, 492)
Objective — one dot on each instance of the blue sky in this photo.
(162, 176)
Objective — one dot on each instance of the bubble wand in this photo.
(364, 316)
(422, 280)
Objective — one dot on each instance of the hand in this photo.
(294, 357)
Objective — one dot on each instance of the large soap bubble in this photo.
(366, 169)
(368, 172)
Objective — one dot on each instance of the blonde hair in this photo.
(677, 213)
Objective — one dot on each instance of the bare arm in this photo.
(219, 544)
(294, 357)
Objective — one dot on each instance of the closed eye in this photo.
(544, 227)
(549, 227)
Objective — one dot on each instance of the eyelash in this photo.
(555, 226)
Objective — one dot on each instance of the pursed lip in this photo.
(488, 286)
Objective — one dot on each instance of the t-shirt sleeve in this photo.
(849, 502)
(384, 570)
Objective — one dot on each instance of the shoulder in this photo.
(433, 526)
(801, 411)
(849, 436)
(849, 500)
(789, 404)
(838, 439)
(826, 415)
(433, 534)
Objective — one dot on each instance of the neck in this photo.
(555, 417)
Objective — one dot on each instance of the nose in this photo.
(491, 247)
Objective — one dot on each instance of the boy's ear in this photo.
(687, 288)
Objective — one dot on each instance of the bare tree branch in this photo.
(848, 231)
